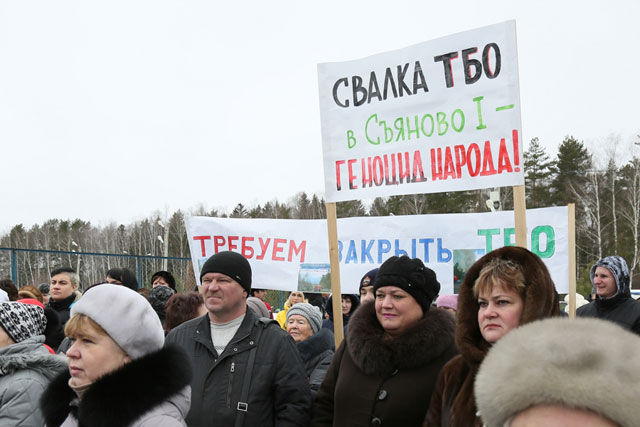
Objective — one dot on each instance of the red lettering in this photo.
(366, 181)
(338, 164)
(277, 248)
(475, 151)
(247, 251)
(461, 159)
(263, 247)
(487, 161)
(449, 170)
(297, 250)
(352, 177)
(504, 164)
(436, 164)
(418, 173)
(403, 175)
(231, 239)
(202, 239)
(217, 242)
(378, 170)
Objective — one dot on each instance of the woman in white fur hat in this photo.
(119, 373)
(554, 373)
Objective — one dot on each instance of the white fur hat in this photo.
(582, 363)
(125, 315)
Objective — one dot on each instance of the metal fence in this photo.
(34, 266)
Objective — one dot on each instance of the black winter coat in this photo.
(621, 309)
(279, 392)
(375, 379)
(316, 353)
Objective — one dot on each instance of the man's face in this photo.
(604, 282)
(61, 287)
(262, 294)
(223, 297)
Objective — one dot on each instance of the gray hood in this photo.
(31, 354)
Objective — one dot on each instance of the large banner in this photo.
(294, 254)
(443, 115)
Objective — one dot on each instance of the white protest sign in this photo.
(443, 115)
(293, 254)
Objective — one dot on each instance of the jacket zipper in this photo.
(230, 388)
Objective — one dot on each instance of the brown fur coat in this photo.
(453, 403)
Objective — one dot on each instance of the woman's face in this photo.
(298, 327)
(500, 311)
(396, 309)
(92, 355)
(295, 298)
(346, 305)
(5, 339)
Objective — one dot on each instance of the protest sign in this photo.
(293, 254)
(442, 115)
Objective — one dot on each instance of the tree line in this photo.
(605, 186)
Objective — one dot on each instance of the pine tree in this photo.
(538, 170)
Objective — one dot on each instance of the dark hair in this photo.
(167, 276)
(125, 276)
(62, 270)
(182, 307)
(74, 277)
(10, 288)
(254, 290)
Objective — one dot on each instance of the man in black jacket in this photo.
(610, 279)
(246, 371)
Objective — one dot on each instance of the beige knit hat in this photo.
(583, 363)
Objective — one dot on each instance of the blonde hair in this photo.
(502, 273)
(79, 325)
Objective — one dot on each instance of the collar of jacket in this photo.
(376, 353)
(611, 303)
(122, 396)
(64, 303)
(316, 344)
(241, 341)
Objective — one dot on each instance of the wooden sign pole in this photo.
(332, 228)
(572, 260)
(520, 215)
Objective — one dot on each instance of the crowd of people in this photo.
(501, 352)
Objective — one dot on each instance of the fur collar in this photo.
(316, 344)
(120, 397)
(376, 353)
(540, 300)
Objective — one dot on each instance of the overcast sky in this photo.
(112, 110)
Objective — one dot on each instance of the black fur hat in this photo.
(412, 276)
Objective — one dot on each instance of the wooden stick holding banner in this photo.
(520, 215)
(572, 260)
(334, 260)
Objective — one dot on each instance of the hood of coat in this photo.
(31, 354)
(316, 344)
(122, 396)
(355, 302)
(540, 300)
(618, 267)
(376, 353)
